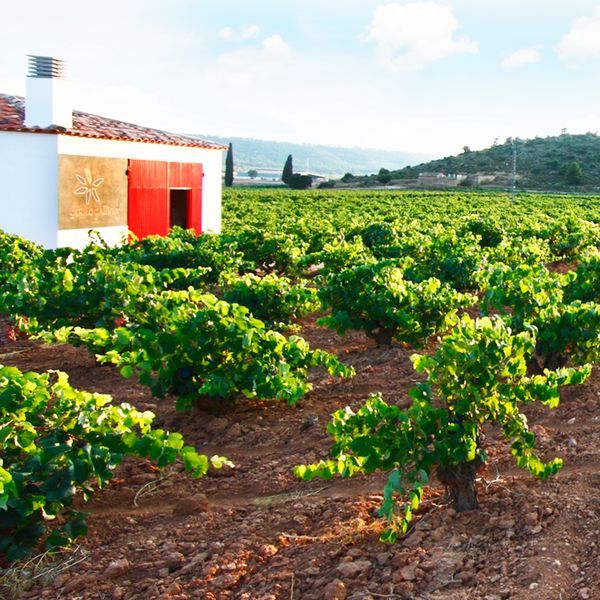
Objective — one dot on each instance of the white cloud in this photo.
(117, 101)
(250, 32)
(15, 87)
(248, 63)
(409, 36)
(582, 42)
(275, 47)
(522, 57)
(228, 34)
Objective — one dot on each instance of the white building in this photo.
(64, 172)
(436, 180)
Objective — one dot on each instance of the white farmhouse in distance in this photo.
(436, 180)
(64, 172)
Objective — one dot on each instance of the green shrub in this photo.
(56, 442)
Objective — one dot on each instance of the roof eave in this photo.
(63, 131)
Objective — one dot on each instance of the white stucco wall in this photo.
(29, 186)
(211, 161)
(79, 238)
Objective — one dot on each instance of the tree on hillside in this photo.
(574, 173)
(252, 173)
(288, 171)
(384, 176)
(229, 166)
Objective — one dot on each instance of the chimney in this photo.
(48, 101)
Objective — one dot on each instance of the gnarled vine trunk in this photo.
(383, 336)
(460, 481)
(546, 359)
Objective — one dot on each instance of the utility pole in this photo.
(514, 170)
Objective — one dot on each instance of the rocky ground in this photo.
(256, 533)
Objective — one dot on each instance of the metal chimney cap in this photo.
(45, 67)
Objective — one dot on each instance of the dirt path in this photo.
(257, 533)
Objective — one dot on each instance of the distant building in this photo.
(64, 172)
(316, 179)
(483, 178)
(269, 174)
(436, 180)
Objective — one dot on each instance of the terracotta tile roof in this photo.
(12, 118)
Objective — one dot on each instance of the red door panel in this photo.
(195, 210)
(148, 195)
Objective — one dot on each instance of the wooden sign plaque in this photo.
(92, 192)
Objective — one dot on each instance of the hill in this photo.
(542, 163)
(331, 161)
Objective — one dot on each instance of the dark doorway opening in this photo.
(178, 212)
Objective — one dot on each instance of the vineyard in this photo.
(352, 395)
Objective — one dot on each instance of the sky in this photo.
(415, 76)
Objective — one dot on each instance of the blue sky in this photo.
(422, 76)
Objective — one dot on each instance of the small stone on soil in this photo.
(355, 568)
(191, 505)
(116, 568)
(336, 590)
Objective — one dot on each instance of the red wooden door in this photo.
(193, 175)
(148, 195)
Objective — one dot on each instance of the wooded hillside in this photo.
(542, 163)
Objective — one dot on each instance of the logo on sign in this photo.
(88, 186)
